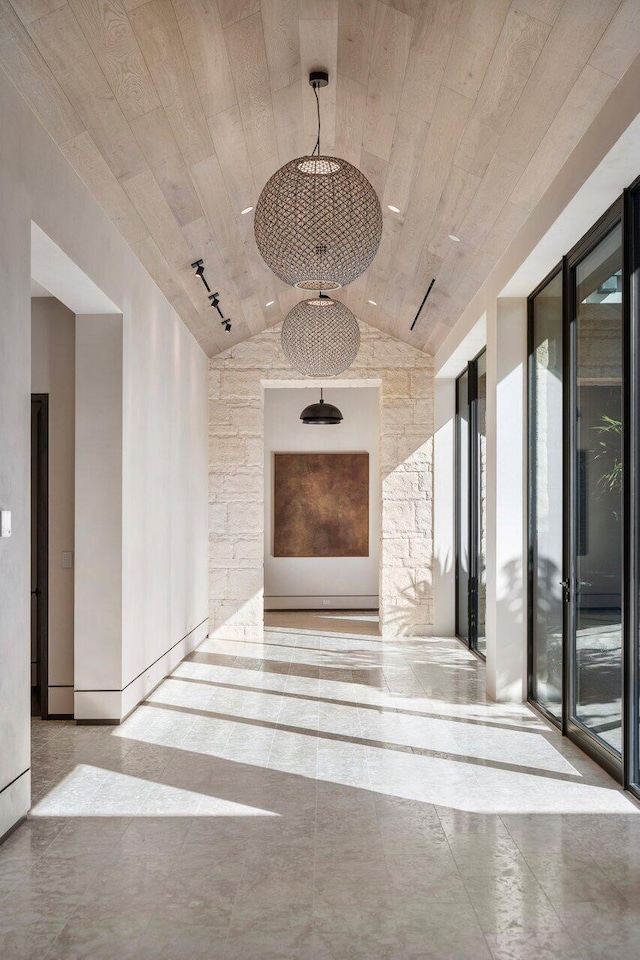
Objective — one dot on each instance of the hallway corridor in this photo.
(322, 795)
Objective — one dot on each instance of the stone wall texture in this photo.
(236, 480)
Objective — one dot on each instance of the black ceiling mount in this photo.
(198, 266)
(318, 78)
(424, 300)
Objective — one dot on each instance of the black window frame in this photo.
(576, 731)
(531, 497)
(626, 210)
(473, 481)
(631, 468)
(462, 636)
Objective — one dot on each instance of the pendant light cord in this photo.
(316, 149)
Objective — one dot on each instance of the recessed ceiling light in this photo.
(246, 210)
(455, 239)
(270, 304)
(393, 209)
(372, 302)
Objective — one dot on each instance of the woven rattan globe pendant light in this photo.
(318, 221)
(320, 337)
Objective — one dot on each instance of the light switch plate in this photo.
(67, 560)
(5, 523)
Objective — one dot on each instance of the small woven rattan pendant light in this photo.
(318, 221)
(320, 337)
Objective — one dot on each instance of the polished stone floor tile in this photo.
(321, 795)
(533, 946)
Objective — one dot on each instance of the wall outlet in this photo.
(67, 560)
(326, 603)
(5, 523)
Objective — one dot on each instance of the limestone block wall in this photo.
(236, 480)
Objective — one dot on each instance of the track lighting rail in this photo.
(214, 298)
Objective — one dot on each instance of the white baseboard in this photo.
(321, 603)
(97, 705)
(61, 701)
(15, 801)
(141, 687)
(112, 706)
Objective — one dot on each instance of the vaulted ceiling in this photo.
(176, 112)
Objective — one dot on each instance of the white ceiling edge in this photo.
(602, 164)
(467, 350)
(616, 171)
(37, 290)
(60, 277)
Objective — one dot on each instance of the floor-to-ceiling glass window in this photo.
(479, 638)
(583, 441)
(545, 496)
(596, 514)
(631, 284)
(471, 503)
(462, 506)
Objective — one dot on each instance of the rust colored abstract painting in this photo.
(321, 505)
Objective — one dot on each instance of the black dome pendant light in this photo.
(321, 412)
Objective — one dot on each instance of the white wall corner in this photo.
(444, 482)
(506, 616)
(15, 801)
(98, 516)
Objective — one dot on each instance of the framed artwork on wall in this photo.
(321, 505)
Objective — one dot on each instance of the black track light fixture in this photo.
(214, 298)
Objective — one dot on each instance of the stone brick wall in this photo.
(236, 480)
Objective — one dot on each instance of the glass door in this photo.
(479, 466)
(471, 504)
(545, 497)
(584, 355)
(595, 522)
(632, 435)
(462, 506)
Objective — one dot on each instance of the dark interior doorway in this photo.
(39, 554)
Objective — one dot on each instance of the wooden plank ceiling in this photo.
(175, 113)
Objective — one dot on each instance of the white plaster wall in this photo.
(444, 480)
(236, 480)
(165, 537)
(506, 445)
(99, 536)
(164, 507)
(53, 372)
(15, 456)
(342, 581)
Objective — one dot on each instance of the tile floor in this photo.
(322, 795)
